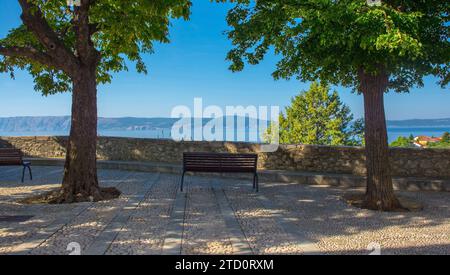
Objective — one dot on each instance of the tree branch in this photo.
(93, 28)
(84, 30)
(34, 20)
(30, 53)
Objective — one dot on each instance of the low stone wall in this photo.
(405, 162)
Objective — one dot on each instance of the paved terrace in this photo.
(214, 216)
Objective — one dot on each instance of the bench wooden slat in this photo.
(220, 169)
(10, 157)
(219, 164)
(212, 165)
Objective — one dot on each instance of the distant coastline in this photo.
(410, 123)
(62, 123)
(161, 127)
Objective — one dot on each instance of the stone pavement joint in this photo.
(238, 239)
(109, 234)
(174, 235)
(307, 246)
(67, 222)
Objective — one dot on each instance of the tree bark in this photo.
(380, 192)
(80, 182)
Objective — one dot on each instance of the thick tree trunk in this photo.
(380, 192)
(80, 182)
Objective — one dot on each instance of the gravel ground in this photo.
(278, 220)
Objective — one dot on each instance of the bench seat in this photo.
(221, 163)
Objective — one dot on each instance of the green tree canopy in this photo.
(120, 31)
(332, 40)
(317, 116)
(403, 142)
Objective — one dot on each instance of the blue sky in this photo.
(194, 65)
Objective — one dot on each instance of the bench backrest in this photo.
(10, 157)
(220, 162)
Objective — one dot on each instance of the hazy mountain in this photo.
(25, 124)
(443, 122)
(62, 123)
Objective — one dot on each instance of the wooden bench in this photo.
(13, 157)
(221, 163)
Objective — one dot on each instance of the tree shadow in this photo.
(322, 216)
(314, 214)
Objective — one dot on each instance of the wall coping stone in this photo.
(212, 143)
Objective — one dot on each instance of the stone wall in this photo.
(406, 162)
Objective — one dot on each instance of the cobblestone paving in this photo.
(205, 231)
(340, 229)
(85, 227)
(144, 231)
(281, 219)
(45, 217)
(263, 232)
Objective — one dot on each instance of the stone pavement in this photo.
(213, 216)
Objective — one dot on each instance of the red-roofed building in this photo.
(423, 141)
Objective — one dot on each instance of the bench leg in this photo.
(254, 181)
(182, 181)
(29, 172)
(23, 173)
(257, 183)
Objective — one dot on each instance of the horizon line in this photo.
(167, 117)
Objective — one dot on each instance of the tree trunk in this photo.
(380, 192)
(80, 182)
